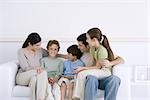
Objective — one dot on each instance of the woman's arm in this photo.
(117, 60)
(65, 56)
(23, 60)
(85, 68)
(103, 62)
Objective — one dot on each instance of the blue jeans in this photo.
(109, 84)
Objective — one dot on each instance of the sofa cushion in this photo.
(21, 91)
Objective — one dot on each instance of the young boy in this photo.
(67, 80)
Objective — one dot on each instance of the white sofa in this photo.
(10, 91)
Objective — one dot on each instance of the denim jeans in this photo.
(109, 84)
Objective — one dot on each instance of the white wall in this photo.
(69, 18)
(121, 20)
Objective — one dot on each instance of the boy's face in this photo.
(82, 47)
(53, 50)
(71, 57)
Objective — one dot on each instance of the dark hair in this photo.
(32, 38)
(82, 38)
(75, 51)
(53, 42)
(96, 33)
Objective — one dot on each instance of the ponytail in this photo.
(105, 43)
(25, 44)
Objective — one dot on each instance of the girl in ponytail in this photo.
(100, 50)
(105, 43)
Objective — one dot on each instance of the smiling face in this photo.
(82, 47)
(53, 50)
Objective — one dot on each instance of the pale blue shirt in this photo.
(70, 66)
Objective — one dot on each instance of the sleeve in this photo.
(82, 64)
(64, 67)
(89, 60)
(42, 63)
(61, 67)
(102, 54)
(23, 61)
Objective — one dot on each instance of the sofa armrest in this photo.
(124, 73)
(7, 76)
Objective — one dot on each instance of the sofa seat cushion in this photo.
(21, 91)
(24, 91)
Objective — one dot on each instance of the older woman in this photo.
(30, 72)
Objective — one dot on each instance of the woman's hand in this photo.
(39, 70)
(80, 69)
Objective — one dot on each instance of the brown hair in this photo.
(53, 42)
(96, 33)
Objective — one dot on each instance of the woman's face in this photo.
(36, 46)
(53, 50)
(82, 47)
(89, 40)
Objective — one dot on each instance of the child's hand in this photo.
(50, 80)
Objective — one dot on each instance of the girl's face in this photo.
(71, 57)
(53, 50)
(36, 46)
(89, 40)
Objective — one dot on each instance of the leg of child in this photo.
(63, 89)
(71, 86)
(49, 93)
